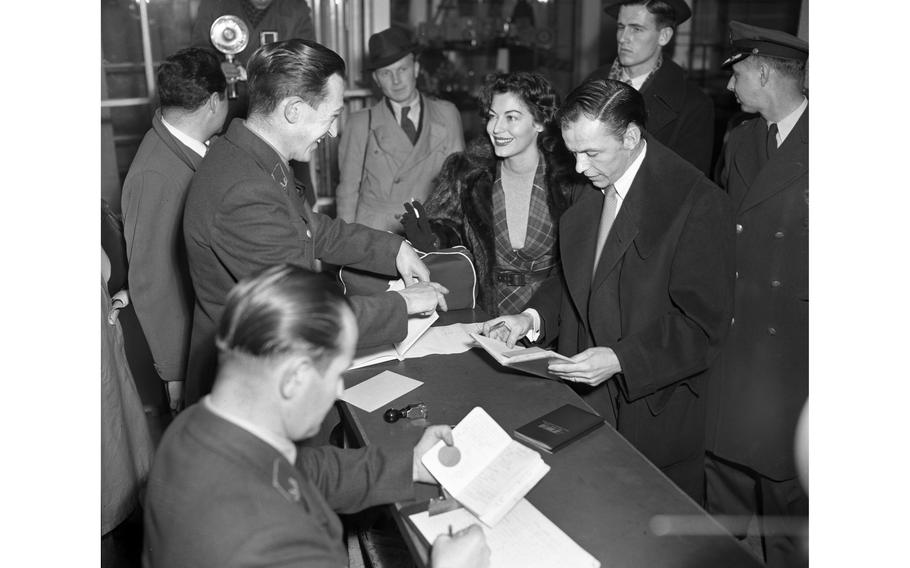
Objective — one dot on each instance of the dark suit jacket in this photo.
(219, 496)
(154, 194)
(661, 299)
(243, 213)
(764, 381)
(680, 115)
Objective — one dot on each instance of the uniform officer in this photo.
(764, 370)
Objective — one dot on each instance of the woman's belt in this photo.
(520, 277)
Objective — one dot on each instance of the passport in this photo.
(559, 428)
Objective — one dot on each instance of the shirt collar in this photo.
(188, 141)
(788, 123)
(284, 446)
(624, 183)
(413, 112)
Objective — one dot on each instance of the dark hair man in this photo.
(390, 153)
(644, 296)
(229, 487)
(244, 211)
(193, 107)
(680, 115)
(764, 379)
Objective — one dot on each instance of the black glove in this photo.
(417, 229)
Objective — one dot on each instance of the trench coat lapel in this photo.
(389, 135)
(788, 164)
(432, 134)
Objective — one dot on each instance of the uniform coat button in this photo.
(779, 235)
(775, 283)
(397, 180)
(737, 274)
(772, 331)
(739, 228)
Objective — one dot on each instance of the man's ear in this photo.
(296, 374)
(213, 102)
(664, 36)
(631, 137)
(764, 74)
(293, 109)
(416, 67)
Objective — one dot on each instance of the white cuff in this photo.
(534, 333)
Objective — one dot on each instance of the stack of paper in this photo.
(492, 472)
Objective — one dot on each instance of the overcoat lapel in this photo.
(786, 166)
(432, 134)
(390, 136)
(577, 238)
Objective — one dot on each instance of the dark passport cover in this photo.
(559, 428)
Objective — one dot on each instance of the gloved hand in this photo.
(417, 229)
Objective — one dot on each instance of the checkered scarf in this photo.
(617, 73)
(539, 250)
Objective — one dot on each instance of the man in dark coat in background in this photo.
(764, 371)
(643, 301)
(244, 211)
(680, 115)
(191, 87)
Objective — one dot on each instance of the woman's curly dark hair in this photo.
(538, 94)
(535, 91)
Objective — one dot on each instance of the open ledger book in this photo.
(532, 360)
(490, 472)
(525, 537)
(417, 326)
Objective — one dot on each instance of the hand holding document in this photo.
(486, 470)
(533, 360)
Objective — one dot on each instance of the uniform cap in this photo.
(747, 40)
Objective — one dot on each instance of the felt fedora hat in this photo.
(388, 46)
(683, 12)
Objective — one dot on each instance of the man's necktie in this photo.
(607, 215)
(771, 142)
(407, 125)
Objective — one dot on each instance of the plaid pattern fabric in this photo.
(617, 73)
(539, 251)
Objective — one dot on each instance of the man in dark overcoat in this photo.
(680, 114)
(645, 294)
(764, 372)
(245, 212)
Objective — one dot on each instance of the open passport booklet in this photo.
(489, 474)
(533, 360)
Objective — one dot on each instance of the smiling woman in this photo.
(502, 196)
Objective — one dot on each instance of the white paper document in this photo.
(524, 537)
(438, 340)
(493, 471)
(379, 390)
(417, 326)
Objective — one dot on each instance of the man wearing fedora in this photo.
(680, 115)
(763, 382)
(390, 153)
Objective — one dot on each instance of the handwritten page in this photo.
(494, 471)
(524, 537)
(379, 390)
